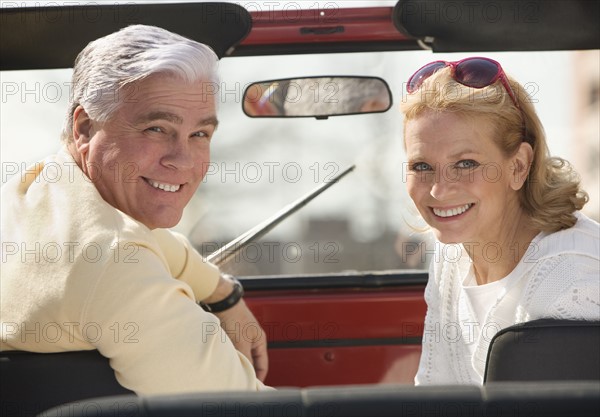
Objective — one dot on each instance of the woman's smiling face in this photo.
(459, 179)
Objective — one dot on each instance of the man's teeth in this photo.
(165, 187)
(452, 212)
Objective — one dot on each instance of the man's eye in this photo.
(155, 129)
(467, 164)
(420, 166)
(202, 134)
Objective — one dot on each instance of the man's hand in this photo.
(247, 336)
(242, 327)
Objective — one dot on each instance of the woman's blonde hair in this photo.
(551, 194)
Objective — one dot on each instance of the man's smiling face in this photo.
(150, 157)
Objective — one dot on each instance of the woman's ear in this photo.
(521, 163)
(82, 129)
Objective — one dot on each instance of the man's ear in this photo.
(521, 163)
(82, 129)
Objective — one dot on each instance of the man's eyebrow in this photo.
(174, 118)
(159, 115)
(209, 121)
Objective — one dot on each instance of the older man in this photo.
(87, 260)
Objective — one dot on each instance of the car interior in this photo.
(343, 342)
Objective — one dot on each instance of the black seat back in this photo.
(545, 350)
(547, 399)
(33, 382)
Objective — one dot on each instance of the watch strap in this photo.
(232, 299)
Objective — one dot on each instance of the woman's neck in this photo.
(496, 259)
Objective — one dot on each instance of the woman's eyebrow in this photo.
(416, 157)
(464, 152)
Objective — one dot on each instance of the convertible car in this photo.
(337, 277)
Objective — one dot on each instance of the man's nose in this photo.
(179, 155)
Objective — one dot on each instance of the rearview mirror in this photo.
(318, 97)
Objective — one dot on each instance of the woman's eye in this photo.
(467, 164)
(420, 166)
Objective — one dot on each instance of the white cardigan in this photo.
(559, 277)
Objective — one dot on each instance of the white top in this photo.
(480, 299)
(558, 277)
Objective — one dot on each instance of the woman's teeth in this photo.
(452, 212)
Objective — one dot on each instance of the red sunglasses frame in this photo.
(417, 79)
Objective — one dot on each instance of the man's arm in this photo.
(210, 287)
(157, 338)
(244, 331)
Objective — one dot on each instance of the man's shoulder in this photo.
(55, 204)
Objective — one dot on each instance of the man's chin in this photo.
(164, 221)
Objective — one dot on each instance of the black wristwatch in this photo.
(232, 299)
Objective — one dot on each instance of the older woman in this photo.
(512, 245)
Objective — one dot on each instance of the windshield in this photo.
(365, 222)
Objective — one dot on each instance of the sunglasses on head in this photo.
(475, 72)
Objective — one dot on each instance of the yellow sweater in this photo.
(78, 274)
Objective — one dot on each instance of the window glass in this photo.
(366, 221)
(363, 223)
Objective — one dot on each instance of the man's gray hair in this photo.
(107, 65)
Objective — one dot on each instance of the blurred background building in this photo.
(585, 147)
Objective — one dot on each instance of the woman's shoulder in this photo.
(563, 286)
(565, 274)
(582, 239)
(586, 224)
